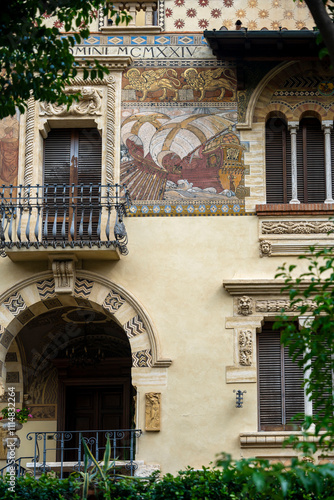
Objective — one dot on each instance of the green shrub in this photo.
(45, 488)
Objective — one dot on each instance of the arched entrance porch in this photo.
(35, 299)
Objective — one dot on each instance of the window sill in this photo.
(279, 209)
(273, 439)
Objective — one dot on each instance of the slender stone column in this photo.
(293, 127)
(304, 321)
(327, 126)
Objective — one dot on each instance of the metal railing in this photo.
(61, 215)
(63, 451)
(19, 469)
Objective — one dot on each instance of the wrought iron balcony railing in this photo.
(63, 451)
(61, 215)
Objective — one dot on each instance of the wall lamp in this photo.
(239, 398)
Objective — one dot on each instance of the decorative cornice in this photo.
(113, 63)
(258, 287)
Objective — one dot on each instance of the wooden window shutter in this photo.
(314, 149)
(57, 156)
(281, 395)
(270, 382)
(294, 393)
(59, 147)
(90, 156)
(276, 165)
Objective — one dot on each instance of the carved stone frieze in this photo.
(245, 347)
(297, 227)
(265, 248)
(64, 275)
(245, 305)
(89, 103)
(152, 411)
(266, 306)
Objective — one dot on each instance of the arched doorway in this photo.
(79, 360)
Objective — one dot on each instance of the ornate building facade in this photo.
(222, 133)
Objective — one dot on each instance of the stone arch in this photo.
(313, 109)
(37, 295)
(261, 100)
(278, 110)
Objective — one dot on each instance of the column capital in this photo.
(327, 125)
(293, 126)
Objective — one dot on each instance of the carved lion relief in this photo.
(89, 103)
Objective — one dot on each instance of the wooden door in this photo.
(95, 408)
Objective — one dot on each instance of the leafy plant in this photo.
(35, 59)
(311, 346)
(22, 415)
(99, 472)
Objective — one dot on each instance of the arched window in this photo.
(310, 160)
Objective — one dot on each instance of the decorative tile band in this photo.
(6, 339)
(113, 301)
(134, 326)
(155, 209)
(15, 304)
(83, 287)
(142, 359)
(46, 289)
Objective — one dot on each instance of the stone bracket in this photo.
(63, 269)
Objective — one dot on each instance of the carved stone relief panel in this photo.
(279, 237)
(245, 338)
(89, 103)
(152, 411)
(245, 305)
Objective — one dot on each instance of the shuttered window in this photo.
(281, 395)
(72, 157)
(311, 184)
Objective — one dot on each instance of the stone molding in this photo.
(238, 287)
(243, 369)
(297, 227)
(279, 237)
(272, 439)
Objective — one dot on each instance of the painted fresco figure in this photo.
(9, 154)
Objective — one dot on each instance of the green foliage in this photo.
(45, 488)
(22, 415)
(98, 473)
(35, 59)
(233, 480)
(312, 294)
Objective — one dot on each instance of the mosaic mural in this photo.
(9, 149)
(181, 155)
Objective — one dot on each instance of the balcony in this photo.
(85, 220)
(62, 452)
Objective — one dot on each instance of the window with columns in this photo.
(298, 161)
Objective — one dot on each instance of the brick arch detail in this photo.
(260, 103)
(37, 295)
